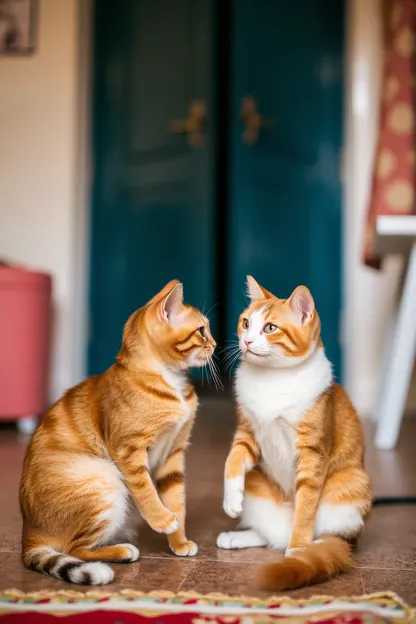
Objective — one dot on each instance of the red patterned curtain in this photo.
(394, 177)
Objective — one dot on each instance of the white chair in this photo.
(397, 235)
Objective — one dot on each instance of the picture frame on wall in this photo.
(18, 22)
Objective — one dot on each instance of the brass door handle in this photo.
(252, 120)
(193, 125)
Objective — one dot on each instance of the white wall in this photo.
(38, 168)
(369, 294)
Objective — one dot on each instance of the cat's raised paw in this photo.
(187, 549)
(234, 497)
(168, 525)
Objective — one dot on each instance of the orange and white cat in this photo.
(295, 471)
(115, 441)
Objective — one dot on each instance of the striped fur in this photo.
(114, 444)
(295, 471)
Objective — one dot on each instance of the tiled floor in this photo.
(386, 553)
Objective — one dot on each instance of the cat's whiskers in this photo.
(215, 374)
(216, 367)
(210, 310)
(232, 349)
(232, 359)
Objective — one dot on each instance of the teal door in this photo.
(153, 214)
(284, 223)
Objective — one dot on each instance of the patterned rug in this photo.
(130, 607)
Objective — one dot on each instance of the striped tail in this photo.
(316, 563)
(67, 568)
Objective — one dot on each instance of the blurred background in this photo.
(200, 140)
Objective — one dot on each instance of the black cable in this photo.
(380, 501)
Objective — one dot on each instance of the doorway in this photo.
(210, 208)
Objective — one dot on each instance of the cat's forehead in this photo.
(266, 308)
(195, 316)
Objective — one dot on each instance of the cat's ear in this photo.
(165, 291)
(302, 305)
(255, 292)
(172, 304)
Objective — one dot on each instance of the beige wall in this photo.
(38, 140)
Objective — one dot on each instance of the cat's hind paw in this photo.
(225, 540)
(240, 539)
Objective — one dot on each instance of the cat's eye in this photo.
(202, 331)
(245, 323)
(269, 328)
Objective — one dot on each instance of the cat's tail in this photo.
(316, 563)
(67, 568)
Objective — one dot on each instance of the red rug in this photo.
(130, 607)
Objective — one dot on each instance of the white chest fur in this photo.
(274, 401)
(174, 379)
(160, 451)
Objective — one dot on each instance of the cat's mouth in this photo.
(262, 355)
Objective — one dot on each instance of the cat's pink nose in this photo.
(248, 342)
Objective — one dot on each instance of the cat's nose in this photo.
(248, 342)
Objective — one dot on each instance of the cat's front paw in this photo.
(168, 524)
(187, 549)
(233, 496)
(291, 551)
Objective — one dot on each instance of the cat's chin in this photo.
(197, 362)
(255, 358)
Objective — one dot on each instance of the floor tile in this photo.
(144, 575)
(389, 540)
(240, 578)
(386, 556)
(402, 582)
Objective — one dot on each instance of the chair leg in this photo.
(384, 372)
(399, 370)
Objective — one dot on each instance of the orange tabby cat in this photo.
(115, 440)
(295, 471)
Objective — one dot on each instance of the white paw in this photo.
(134, 552)
(233, 497)
(230, 540)
(174, 526)
(224, 540)
(92, 573)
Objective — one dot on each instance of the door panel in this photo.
(285, 193)
(153, 214)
